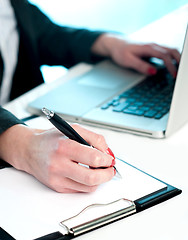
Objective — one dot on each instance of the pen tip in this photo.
(117, 173)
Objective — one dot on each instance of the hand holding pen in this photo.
(68, 131)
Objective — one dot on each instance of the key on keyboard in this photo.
(151, 98)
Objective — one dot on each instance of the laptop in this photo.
(116, 98)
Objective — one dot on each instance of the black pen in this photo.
(66, 129)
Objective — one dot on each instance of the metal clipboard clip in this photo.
(97, 215)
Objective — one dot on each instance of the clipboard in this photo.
(110, 211)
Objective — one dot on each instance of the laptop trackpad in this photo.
(107, 75)
(79, 95)
(100, 79)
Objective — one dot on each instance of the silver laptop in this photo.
(109, 96)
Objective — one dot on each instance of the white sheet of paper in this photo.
(32, 210)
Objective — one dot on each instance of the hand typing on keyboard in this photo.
(133, 55)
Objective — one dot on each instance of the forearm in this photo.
(54, 44)
(68, 46)
(62, 45)
(7, 120)
(14, 146)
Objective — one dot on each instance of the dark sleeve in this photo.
(7, 120)
(60, 45)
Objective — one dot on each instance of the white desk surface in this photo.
(165, 159)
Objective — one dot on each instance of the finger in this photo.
(174, 53)
(94, 139)
(166, 55)
(87, 176)
(141, 66)
(67, 185)
(83, 154)
(170, 66)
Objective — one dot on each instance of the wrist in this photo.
(14, 146)
(101, 45)
(106, 44)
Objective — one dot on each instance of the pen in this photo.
(66, 129)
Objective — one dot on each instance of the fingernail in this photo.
(175, 74)
(152, 71)
(109, 151)
(113, 163)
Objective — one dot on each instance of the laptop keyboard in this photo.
(151, 98)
